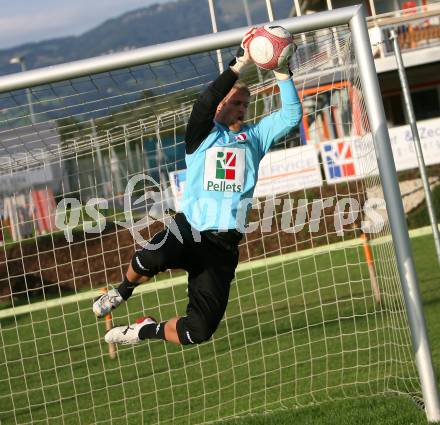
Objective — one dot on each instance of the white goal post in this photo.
(296, 311)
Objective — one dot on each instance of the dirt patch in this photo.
(50, 265)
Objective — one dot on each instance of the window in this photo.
(386, 6)
(330, 111)
(426, 103)
(344, 3)
(393, 106)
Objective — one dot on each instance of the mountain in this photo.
(139, 28)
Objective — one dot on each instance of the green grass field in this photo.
(311, 347)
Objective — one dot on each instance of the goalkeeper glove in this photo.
(284, 72)
(242, 57)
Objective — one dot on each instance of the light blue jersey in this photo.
(223, 171)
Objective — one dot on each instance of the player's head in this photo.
(232, 109)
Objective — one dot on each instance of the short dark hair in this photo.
(241, 86)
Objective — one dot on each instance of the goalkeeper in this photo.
(222, 158)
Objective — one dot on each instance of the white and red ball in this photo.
(271, 47)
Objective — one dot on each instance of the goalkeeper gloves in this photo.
(242, 57)
(284, 72)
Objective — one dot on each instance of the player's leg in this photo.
(144, 264)
(211, 270)
(116, 296)
(208, 293)
(144, 328)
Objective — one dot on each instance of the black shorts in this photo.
(210, 263)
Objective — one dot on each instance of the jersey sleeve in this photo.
(280, 123)
(202, 115)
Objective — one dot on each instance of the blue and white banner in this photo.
(348, 159)
(403, 146)
(354, 158)
(288, 170)
(177, 183)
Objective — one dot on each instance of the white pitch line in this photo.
(180, 280)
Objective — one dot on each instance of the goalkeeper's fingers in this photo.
(248, 37)
(294, 49)
(286, 68)
(242, 57)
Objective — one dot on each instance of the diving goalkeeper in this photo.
(222, 158)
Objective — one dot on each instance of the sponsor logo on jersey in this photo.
(339, 159)
(225, 165)
(241, 138)
(224, 169)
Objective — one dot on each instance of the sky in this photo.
(23, 21)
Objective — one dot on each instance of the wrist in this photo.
(238, 65)
(282, 75)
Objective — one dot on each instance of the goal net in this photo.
(316, 311)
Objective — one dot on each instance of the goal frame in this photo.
(355, 18)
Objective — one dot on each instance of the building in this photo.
(418, 26)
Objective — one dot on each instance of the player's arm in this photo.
(280, 123)
(202, 115)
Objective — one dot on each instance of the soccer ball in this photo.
(271, 47)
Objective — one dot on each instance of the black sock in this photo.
(126, 288)
(153, 331)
